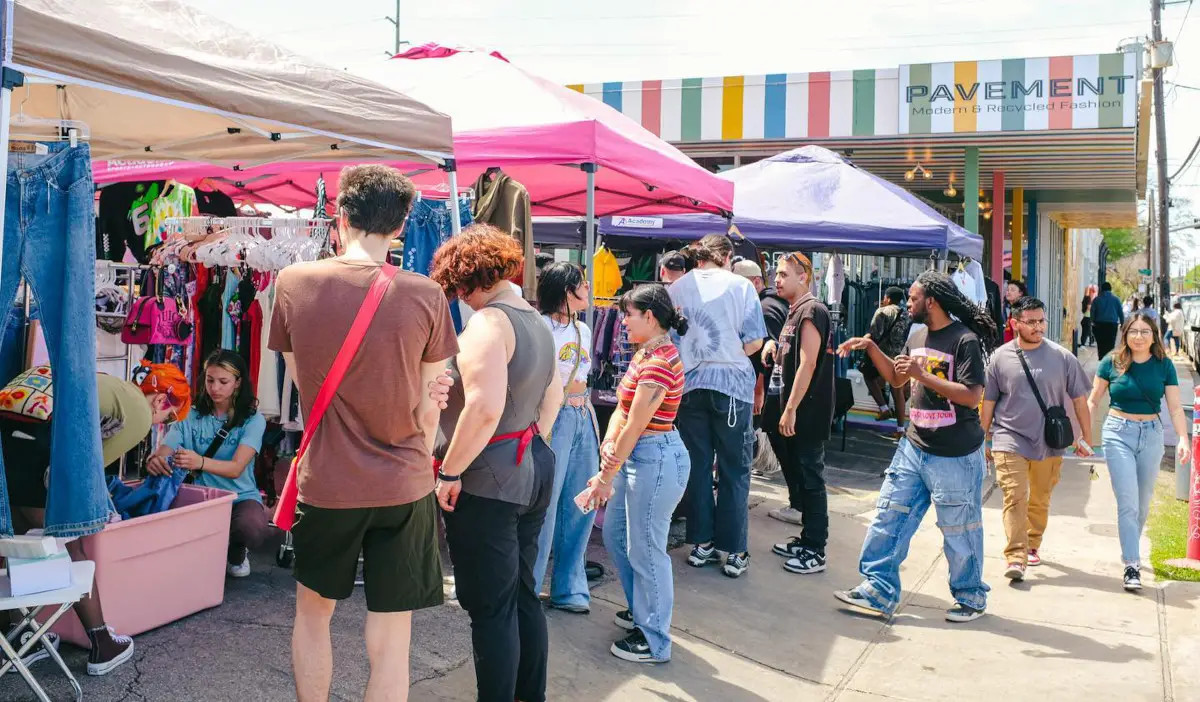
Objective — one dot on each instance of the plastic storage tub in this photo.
(160, 568)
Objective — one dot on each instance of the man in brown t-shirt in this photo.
(366, 481)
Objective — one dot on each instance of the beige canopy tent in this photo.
(158, 79)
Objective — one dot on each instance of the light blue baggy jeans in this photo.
(636, 523)
(566, 530)
(914, 480)
(1133, 451)
(50, 242)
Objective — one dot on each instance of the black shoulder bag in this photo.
(219, 440)
(1058, 432)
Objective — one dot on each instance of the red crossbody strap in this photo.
(341, 363)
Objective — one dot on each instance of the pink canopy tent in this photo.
(574, 154)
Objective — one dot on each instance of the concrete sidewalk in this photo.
(772, 635)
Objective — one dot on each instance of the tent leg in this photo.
(455, 218)
(590, 240)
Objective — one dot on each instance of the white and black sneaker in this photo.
(624, 619)
(736, 564)
(791, 549)
(1133, 579)
(806, 562)
(635, 648)
(856, 599)
(961, 613)
(702, 555)
(37, 654)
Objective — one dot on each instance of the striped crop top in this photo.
(661, 367)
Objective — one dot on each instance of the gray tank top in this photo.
(496, 473)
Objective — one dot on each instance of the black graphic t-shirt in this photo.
(936, 425)
(814, 416)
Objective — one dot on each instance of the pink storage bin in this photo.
(160, 568)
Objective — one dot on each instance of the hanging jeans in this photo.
(636, 523)
(428, 227)
(914, 480)
(50, 241)
(566, 529)
(716, 426)
(1133, 451)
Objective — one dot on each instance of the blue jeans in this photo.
(714, 426)
(429, 227)
(913, 481)
(1133, 452)
(566, 529)
(636, 523)
(50, 241)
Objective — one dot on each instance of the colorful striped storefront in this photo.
(1008, 95)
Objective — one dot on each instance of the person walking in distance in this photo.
(1107, 317)
(1137, 376)
(715, 416)
(365, 483)
(799, 418)
(940, 461)
(1176, 328)
(1023, 375)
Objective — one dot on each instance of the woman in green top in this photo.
(1137, 376)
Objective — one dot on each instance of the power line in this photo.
(1187, 162)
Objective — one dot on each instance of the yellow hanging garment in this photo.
(607, 274)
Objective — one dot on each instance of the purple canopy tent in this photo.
(812, 199)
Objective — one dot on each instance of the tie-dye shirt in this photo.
(724, 314)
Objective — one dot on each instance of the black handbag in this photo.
(1058, 432)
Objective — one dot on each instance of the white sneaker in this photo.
(790, 515)
(239, 570)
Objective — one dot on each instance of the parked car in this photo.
(1191, 335)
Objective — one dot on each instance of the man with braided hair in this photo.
(940, 461)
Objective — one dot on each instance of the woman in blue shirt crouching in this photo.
(227, 408)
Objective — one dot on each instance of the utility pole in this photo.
(396, 23)
(1164, 193)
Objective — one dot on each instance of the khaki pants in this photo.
(1027, 486)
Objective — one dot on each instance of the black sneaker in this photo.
(791, 549)
(961, 613)
(736, 564)
(806, 562)
(37, 654)
(635, 648)
(855, 599)
(624, 619)
(1133, 579)
(702, 555)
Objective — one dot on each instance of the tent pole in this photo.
(590, 240)
(455, 217)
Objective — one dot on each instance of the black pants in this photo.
(1106, 337)
(803, 462)
(493, 545)
(1086, 337)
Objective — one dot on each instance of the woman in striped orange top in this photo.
(643, 474)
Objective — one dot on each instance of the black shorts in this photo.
(26, 460)
(402, 567)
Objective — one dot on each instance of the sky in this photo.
(571, 41)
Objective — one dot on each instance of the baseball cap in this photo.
(748, 269)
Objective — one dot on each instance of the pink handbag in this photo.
(158, 320)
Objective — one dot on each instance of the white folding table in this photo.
(30, 606)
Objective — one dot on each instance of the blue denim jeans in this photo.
(50, 241)
(714, 426)
(913, 481)
(636, 523)
(566, 529)
(428, 227)
(1133, 452)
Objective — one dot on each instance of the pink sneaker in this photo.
(1015, 572)
(1034, 559)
